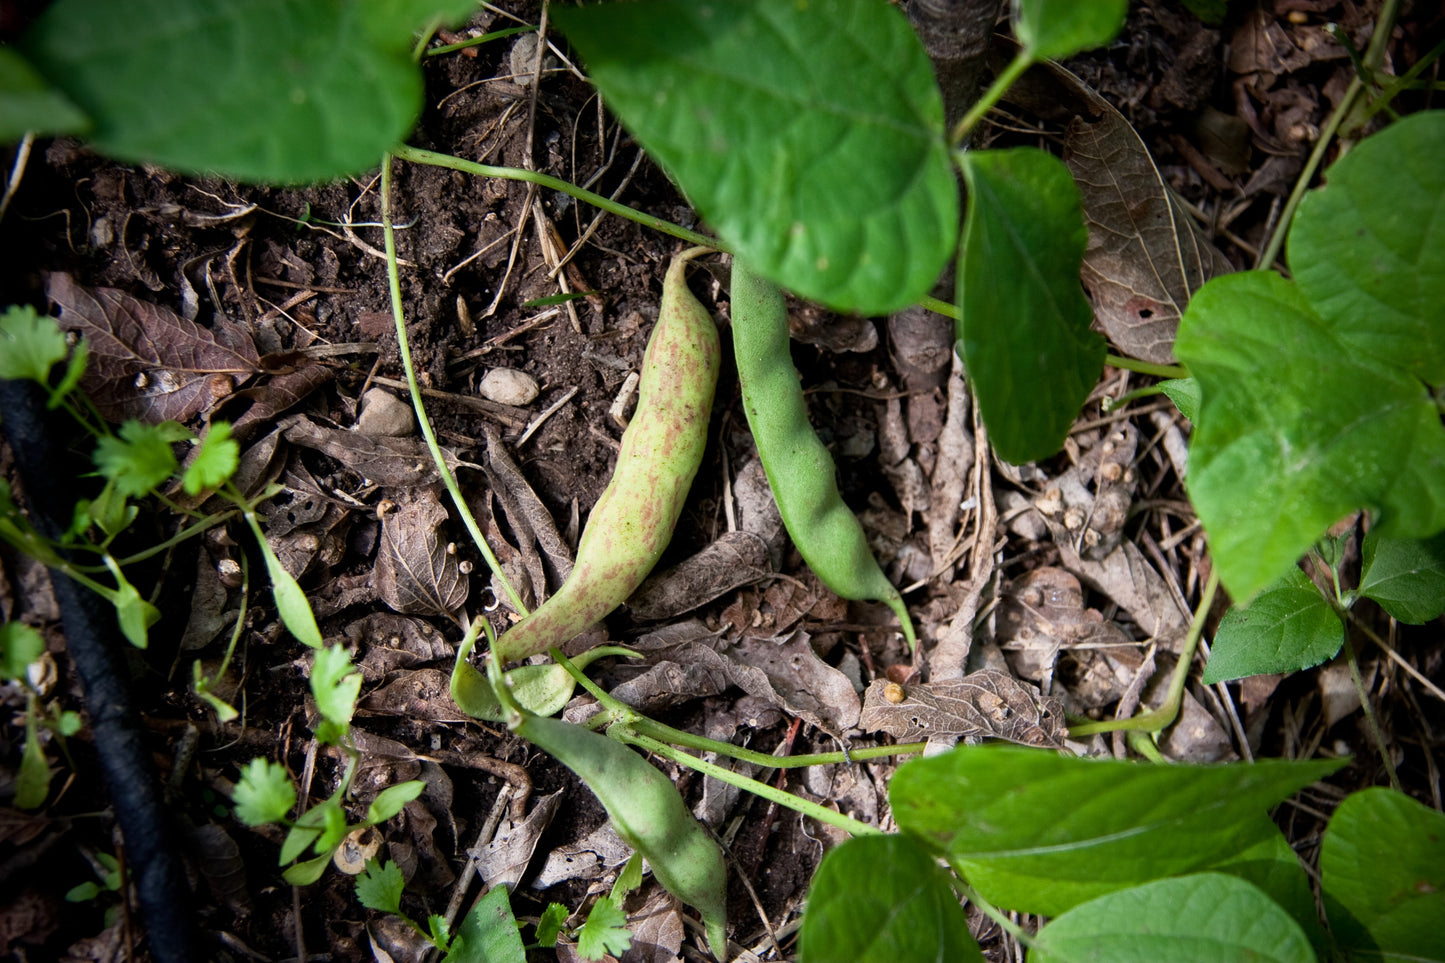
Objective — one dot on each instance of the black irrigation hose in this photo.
(94, 643)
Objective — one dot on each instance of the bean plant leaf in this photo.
(1024, 331)
(1274, 867)
(1287, 627)
(1406, 576)
(1185, 394)
(262, 90)
(1038, 832)
(810, 136)
(1383, 876)
(264, 794)
(1055, 29)
(1298, 429)
(884, 899)
(1368, 249)
(1193, 919)
(29, 344)
(379, 888)
(488, 934)
(29, 103)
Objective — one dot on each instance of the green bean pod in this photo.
(648, 813)
(799, 468)
(632, 523)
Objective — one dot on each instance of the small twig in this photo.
(540, 419)
(1396, 658)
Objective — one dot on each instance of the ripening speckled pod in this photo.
(648, 813)
(801, 472)
(662, 448)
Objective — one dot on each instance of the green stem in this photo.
(941, 307)
(393, 280)
(1162, 717)
(991, 911)
(1373, 723)
(1374, 57)
(1021, 62)
(476, 41)
(1146, 367)
(419, 156)
(780, 796)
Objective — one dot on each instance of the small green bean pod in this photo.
(648, 813)
(662, 448)
(799, 468)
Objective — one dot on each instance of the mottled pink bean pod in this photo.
(632, 522)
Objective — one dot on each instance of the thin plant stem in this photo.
(780, 796)
(1374, 57)
(1370, 721)
(393, 279)
(1021, 62)
(420, 156)
(1157, 719)
(988, 909)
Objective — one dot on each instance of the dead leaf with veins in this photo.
(146, 361)
(983, 703)
(417, 570)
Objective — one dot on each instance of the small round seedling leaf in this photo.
(1024, 332)
(809, 135)
(139, 456)
(391, 800)
(1383, 876)
(1368, 248)
(20, 645)
(884, 899)
(1039, 832)
(1203, 918)
(1287, 627)
(264, 793)
(262, 90)
(380, 887)
(1405, 576)
(1055, 29)
(1297, 429)
(214, 462)
(29, 344)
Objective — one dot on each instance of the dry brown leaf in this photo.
(148, 362)
(983, 703)
(733, 560)
(657, 930)
(505, 858)
(790, 671)
(379, 459)
(423, 695)
(1146, 255)
(417, 572)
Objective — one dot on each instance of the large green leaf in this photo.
(1287, 627)
(1297, 430)
(1405, 575)
(1274, 867)
(1024, 331)
(810, 135)
(1382, 868)
(266, 90)
(1039, 832)
(28, 103)
(1194, 919)
(1368, 249)
(1055, 29)
(884, 899)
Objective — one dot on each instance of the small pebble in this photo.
(508, 386)
(383, 413)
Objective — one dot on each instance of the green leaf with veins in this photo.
(1055, 29)
(1287, 627)
(1382, 868)
(549, 925)
(29, 344)
(139, 456)
(215, 461)
(1297, 430)
(379, 887)
(260, 90)
(884, 899)
(1038, 832)
(336, 684)
(1405, 576)
(1193, 919)
(1024, 331)
(488, 934)
(809, 135)
(604, 932)
(264, 794)
(1368, 248)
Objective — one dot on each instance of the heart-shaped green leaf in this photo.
(809, 135)
(1287, 627)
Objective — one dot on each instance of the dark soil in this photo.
(287, 266)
